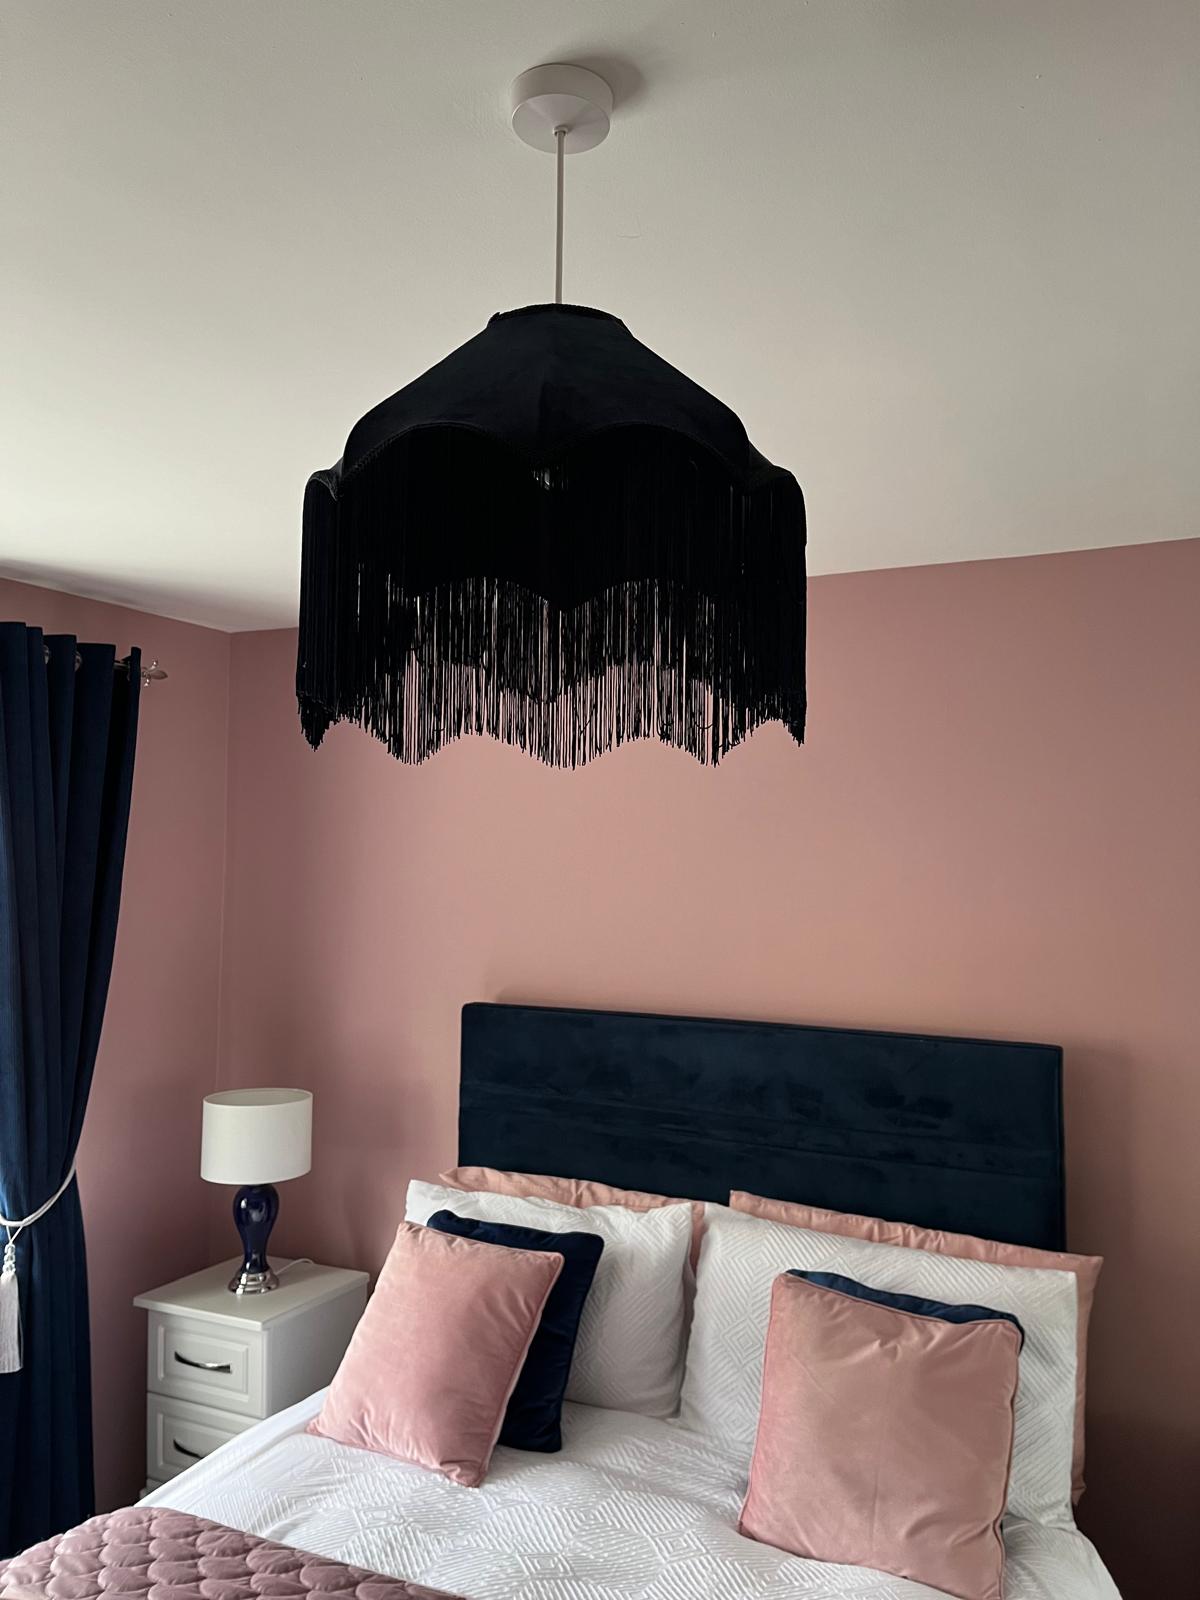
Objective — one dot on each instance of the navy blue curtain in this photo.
(68, 725)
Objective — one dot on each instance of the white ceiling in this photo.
(940, 255)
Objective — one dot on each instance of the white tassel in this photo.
(10, 1294)
(10, 1312)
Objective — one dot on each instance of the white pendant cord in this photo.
(551, 104)
(10, 1308)
(560, 135)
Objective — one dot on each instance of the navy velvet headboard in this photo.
(964, 1134)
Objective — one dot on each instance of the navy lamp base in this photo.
(255, 1208)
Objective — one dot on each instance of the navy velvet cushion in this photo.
(533, 1420)
(942, 1309)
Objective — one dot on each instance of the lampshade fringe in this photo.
(632, 587)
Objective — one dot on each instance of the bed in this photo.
(952, 1133)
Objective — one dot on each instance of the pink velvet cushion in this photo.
(884, 1439)
(440, 1346)
(967, 1248)
(578, 1192)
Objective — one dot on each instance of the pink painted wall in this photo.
(144, 1205)
(993, 830)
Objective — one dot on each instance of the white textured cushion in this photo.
(742, 1255)
(629, 1354)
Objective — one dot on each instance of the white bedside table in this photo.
(218, 1362)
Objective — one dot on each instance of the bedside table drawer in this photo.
(178, 1434)
(215, 1366)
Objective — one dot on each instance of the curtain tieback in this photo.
(10, 1299)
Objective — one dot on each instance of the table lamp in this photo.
(256, 1138)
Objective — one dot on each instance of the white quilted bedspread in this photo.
(632, 1509)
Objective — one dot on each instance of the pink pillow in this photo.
(967, 1248)
(884, 1438)
(438, 1351)
(578, 1192)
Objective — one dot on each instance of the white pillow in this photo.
(742, 1255)
(629, 1355)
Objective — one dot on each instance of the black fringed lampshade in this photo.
(556, 538)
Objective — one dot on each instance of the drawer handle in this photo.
(203, 1366)
(195, 1455)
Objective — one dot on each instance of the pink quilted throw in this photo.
(168, 1555)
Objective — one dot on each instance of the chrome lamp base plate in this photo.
(244, 1282)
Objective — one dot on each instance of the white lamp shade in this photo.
(256, 1136)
